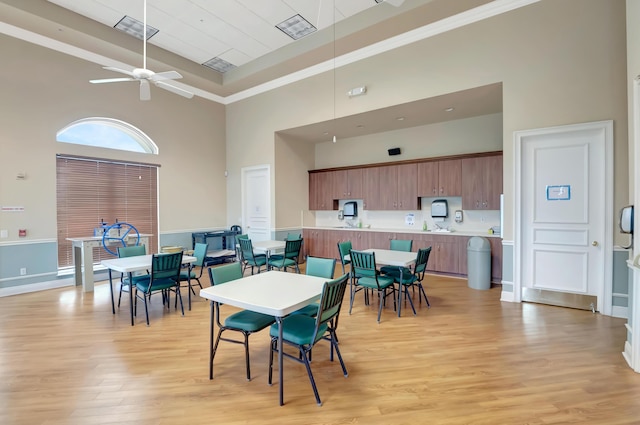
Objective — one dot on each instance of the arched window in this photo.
(107, 133)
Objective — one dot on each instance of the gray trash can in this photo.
(479, 263)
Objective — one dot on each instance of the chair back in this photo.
(293, 236)
(200, 252)
(226, 273)
(165, 267)
(292, 249)
(321, 267)
(421, 262)
(131, 251)
(343, 249)
(363, 263)
(246, 248)
(330, 302)
(400, 245)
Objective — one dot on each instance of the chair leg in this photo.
(246, 354)
(408, 295)
(382, 297)
(179, 295)
(334, 344)
(146, 308)
(351, 287)
(421, 292)
(313, 382)
(120, 294)
(274, 347)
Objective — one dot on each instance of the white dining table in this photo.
(388, 257)
(274, 293)
(131, 265)
(268, 246)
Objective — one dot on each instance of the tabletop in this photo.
(137, 263)
(268, 245)
(390, 257)
(274, 293)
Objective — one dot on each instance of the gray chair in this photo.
(246, 322)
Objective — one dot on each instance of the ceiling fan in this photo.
(146, 76)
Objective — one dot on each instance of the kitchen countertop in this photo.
(406, 230)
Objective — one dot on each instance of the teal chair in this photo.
(239, 250)
(200, 252)
(129, 251)
(293, 236)
(319, 267)
(249, 257)
(164, 277)
(406, 278)
(246, 322)
(366, 276)
(304, 332)
(289, 258)
(343, 249)
(397, 245)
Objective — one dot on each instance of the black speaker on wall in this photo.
(394, 151)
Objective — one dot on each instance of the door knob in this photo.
(594, 243)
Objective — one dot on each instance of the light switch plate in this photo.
(4, 233)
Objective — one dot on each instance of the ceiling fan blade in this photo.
(145, 90)
(174, 89)
(122, 71)
(111, 80)
(167, 75)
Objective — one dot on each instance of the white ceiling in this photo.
(237, 31)
(243, 33)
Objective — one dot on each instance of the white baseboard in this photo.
(35, 287)
(507, 297)
(621, 312)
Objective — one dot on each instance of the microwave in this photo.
(350, 209)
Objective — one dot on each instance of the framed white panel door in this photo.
(256, 202)
(563, 211)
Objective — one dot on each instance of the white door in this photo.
(256, 202)
(565, 215)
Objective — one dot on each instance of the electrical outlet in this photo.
(4, 233)
(23, 271)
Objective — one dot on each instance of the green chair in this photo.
(289, 258)
(200, 252)
(293, 236)
(239, 250)
(304, 332)
(245, 322)
(397, 245)
(248, 256)
(406, 278)
(366, 276)
(164, 277)
(129, 251)
(319, 267)
(343, 249)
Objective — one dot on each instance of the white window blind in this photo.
(90, 190)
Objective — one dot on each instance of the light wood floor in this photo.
(470, 359)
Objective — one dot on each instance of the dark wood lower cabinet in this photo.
(448, 253)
